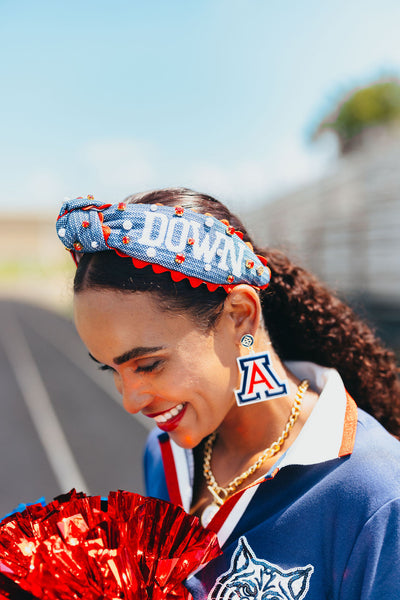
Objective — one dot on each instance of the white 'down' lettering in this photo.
(174, 233)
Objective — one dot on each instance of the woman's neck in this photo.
(249, 429)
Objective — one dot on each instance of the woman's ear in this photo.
(243, 307)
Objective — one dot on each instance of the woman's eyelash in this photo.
(148, 368)
(105, 368)
(139, 369)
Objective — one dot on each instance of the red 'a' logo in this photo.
(259, 381)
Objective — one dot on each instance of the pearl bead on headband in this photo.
(189, 245)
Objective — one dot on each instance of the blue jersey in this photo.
(323, 524)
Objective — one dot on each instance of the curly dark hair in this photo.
(304, 319)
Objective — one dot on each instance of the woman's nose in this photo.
(134, 395)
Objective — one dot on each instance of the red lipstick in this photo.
(173, 423)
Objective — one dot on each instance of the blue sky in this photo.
(113, 97)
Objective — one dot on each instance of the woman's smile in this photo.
(169, 420)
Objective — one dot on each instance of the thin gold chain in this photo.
(221, 493)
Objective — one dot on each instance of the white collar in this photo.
(321, 437)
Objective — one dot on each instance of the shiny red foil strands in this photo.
(77, 547)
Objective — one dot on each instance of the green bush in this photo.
(363, 108)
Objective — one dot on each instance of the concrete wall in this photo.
(346, 227)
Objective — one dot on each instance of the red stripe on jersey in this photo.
(350, 426)
(171, 476)
(216, 522)
(223, 513)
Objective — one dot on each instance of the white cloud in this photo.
(286, 167)
(112, 169)
(115, 168)
(118, 166)
(39, 188)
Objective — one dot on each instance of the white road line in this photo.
(77, 356)
(40, 408)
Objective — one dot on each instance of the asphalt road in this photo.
(61, 421)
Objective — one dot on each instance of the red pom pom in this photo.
(131, 547)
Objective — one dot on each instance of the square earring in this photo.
(259, 381)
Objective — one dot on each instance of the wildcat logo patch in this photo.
(259, 382)
(250, 577)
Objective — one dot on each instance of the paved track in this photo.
(61, 421)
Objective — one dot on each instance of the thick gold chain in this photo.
(221, 493)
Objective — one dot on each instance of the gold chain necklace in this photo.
(219, 493)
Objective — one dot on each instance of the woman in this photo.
(250, 384)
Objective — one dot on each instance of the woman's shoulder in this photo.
(372, 470)
(153, 440)
(373, 439)
(154, 475)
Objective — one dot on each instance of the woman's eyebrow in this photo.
(134, 353)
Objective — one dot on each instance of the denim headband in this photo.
(189, 245)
